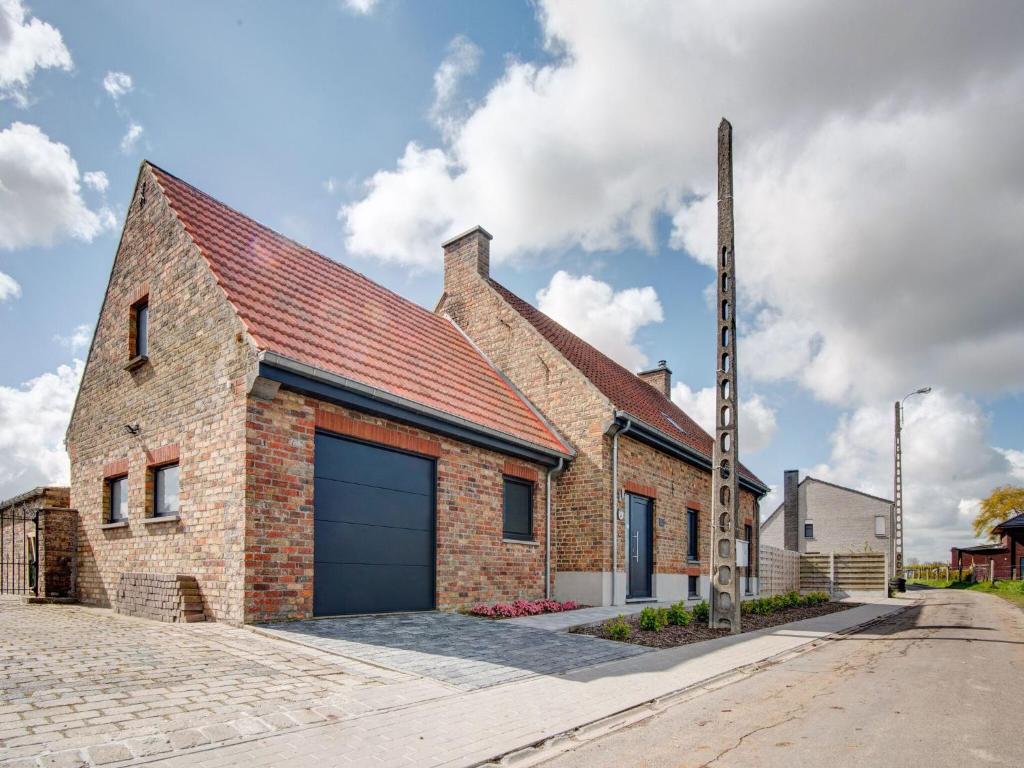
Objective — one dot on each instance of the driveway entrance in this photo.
(463, 651)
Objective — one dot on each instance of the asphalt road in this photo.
(941, 684)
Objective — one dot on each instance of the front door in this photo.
(640, 546)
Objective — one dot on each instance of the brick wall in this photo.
(41, 514)
(677, 486)
(189, 395)
(582, 414)
(161, 597)
(474, 564)
(844, 521)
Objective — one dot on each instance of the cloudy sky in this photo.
(879, 196)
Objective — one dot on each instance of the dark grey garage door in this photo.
(373, 545)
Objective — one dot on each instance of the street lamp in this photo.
(896, 538)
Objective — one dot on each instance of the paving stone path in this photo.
(466, 652)
(83, 686)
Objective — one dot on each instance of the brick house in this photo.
(289, 437)
(632, 511)
(1003, 559)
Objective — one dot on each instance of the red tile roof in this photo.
(627, 391)
(307, 307)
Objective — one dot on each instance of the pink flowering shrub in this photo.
(522, 607)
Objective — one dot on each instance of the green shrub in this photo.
(678, 616)
(618, 629)
(702, 611)
(653, 619)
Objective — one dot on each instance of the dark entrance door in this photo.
(640, 546)
(373, 548)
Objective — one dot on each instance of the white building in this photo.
(824, 517)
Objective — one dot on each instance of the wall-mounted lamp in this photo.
(132, 429)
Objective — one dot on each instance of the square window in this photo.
(692, 534)
(808, 530)
(518, 512)
(693, 586)
(166, 500)
(117, 499)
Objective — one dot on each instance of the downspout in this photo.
(555, 470)
(615, 504)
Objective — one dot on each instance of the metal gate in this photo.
(19, 552)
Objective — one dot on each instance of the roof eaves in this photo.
(273, 360)
(664, 440)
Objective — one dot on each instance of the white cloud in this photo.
(131, 138)
(9, 288)
(604, 317)
(360, 7)
(78, 339)
(117, 84)
(40, 197)
(462, 59)
(948, 464)
(26, 44)
(757, 423)
(96, 180)
(33, 419)
(870, 254)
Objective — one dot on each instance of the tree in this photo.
(1004, 502)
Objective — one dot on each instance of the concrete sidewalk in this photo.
(473, 727)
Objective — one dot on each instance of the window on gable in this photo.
(518, 510)
(692, 538)
(166, 485)
(879, 525)
(140, 329)
(808, 530)
(117, 499)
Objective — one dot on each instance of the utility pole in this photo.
(725, 604)
(896, 533)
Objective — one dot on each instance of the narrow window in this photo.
(138, 346)
(879, 525)
(748, 533)
(166, 501)
(808, 530)
(117, 499)
(693, 586)
(692, 520)
(518, 514)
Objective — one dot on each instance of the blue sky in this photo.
(584, 141)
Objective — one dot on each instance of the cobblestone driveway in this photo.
(462, 651)
(84, 686)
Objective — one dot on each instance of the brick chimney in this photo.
(660, 378)
(791, 509)
(467, 258)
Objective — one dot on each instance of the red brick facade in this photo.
(245, 526)
(583, 415)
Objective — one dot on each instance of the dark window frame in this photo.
(110, 483)
(505, 532)
(808, 530)
(692, 587)
(748, 581)
(693, 535)
(154, 498)
(139, 348)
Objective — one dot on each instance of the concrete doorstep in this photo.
(527, 721)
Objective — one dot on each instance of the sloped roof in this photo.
(624, 389)
(809, 479)
(1014, 522)
(311, 309)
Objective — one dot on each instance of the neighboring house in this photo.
(266, 427)
(820, 517)
(633, 509)
(1004, 559)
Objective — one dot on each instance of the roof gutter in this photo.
(350, 393)
(664, 442)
